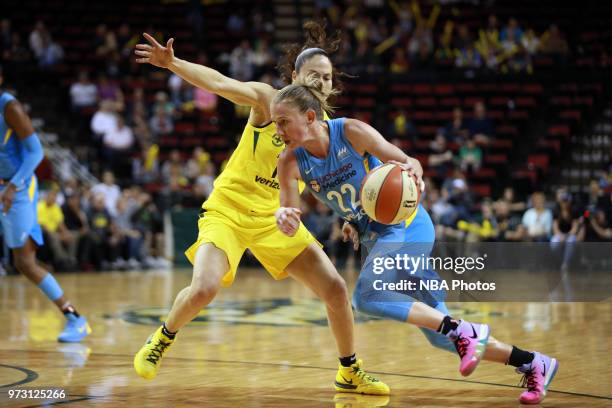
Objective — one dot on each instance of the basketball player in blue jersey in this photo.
(332, 157)
(20, 154)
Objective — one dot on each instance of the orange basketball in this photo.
(389, 195)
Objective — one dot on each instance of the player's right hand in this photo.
(154, 53)
(6, 197)
(349, 232)
(288, 220)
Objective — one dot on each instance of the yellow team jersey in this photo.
(249, 182)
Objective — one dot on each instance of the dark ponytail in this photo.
(316, 43)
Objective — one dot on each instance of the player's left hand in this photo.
(7, 196)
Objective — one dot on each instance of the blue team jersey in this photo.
(10, 146)
(336, 179)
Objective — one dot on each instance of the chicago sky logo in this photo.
(342, 153)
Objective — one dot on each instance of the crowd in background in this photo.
(118, 224)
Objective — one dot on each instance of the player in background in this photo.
(20, 154)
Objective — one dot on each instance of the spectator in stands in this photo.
(109, 91)
(83, 94)
(17, 54)
(109, 191)
(55, 233)
(52, 53)
(105, 42)
(174, 166)
(481, 128)
(531, 42)
(263, 56)
(6, 38)
(196, 163)
(162, 102)
(161, 123)
(241, 62)
(514, 206)
(554, 44)
(596, 199)
(468, 58)
(459, 194)
(137, 108)
(205, 181)
(399, 62)
(175, 194)
(104, 240)
(538, 220)
(235, 24)
(470, 156)
(404, 13)
(598, 226)
(148, 221)
(77, 225)
(421, 39)
(124, 36)
(463, 38)
(104, 120)
(441, 157)
(508, 223)
(566, 229)
(491, 33)
(403, 128)
(442, 212)
(511, 30)
(180, 91)
(36, 39)
(485, 229)
(130, 255)
(456, 130)
(145, 168)
(118, 144)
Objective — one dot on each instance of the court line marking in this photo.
(424, 377)
(30, 376)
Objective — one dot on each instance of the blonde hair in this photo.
(307, 94)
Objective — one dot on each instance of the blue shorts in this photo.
(21, 221)
(413, 244)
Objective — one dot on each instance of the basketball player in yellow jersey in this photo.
(240, 215)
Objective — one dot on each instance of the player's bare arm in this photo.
(364, 138)
(288, 215)
(257, 95)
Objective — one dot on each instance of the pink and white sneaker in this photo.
(471, 343)
(537, 376)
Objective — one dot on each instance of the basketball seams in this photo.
(383, 192)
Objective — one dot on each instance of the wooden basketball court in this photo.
(266, 344)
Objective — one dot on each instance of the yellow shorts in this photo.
(233, 232)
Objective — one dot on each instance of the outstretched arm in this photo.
(288, 215)
(255, 94)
